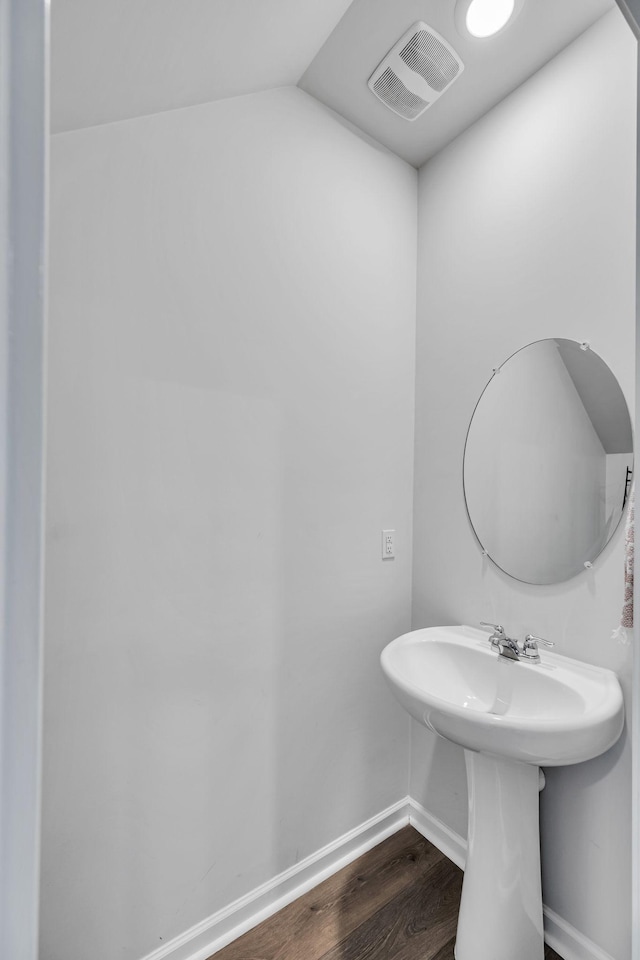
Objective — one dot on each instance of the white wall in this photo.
(526, 231)
(231, 425)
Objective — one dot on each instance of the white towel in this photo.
(627, 608)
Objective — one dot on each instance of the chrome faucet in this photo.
(497, 635)
(510, 649)
(530, 648)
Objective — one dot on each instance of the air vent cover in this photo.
(415, 72)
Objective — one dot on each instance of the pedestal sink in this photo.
(511, 718)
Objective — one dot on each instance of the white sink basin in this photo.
(511, 717)
(555, 712)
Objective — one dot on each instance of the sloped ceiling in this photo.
(631, 12)
(601, 397)
(493, 67)
(117, 59)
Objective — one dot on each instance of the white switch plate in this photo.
(388, 544)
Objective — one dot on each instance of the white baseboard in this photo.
(569, 942)
(214, 933)
(438, 833)
(560, 935)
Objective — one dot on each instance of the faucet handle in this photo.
(530, 639)
(530, 647)
(498, 632)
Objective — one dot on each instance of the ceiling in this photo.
(118, 59)
(601, 397)
(493, 67)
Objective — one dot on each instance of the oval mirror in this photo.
(548, 461)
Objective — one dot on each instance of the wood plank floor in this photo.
(399, 901)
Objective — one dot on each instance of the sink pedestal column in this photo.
(501, 907)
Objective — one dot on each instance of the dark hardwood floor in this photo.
(399, 901)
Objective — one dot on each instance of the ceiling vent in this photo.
(415, 72)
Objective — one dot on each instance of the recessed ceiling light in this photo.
(485, 18)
